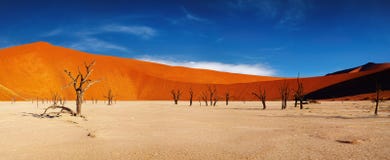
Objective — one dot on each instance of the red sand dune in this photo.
(37, 71)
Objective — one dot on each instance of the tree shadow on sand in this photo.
(35, 115)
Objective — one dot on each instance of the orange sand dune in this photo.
(37, 71)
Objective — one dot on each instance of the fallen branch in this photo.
(63, 110)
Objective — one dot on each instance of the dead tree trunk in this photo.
(55, 99)
(299, 94)
(81, 83)
(212, 93)
(284, 92)
(109, 97)
(377, 97)
(204, 98)
(176, 95)
(295, 100)
(44, 114)
(79, 101)
(227, 97)
(191, 96)
(215, 101)
(261, 96)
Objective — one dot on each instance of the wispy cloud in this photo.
(141, 31)
(144, 32)
(294, 15)
(253, 69)
(220, 39)
(87, 38)
(53, 32)
(187, 17)
(96, 45)
(192, 17)
(287, 14)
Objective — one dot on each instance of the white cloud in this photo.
(141, 31)
(253, 69)
(96, 45)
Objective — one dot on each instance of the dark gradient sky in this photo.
(271, 37)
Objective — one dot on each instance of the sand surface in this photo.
(161, 130)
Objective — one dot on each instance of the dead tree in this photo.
(191, 96)
(377, 97)
(215, 101)
(81, 83)
(261, 96)
(176, 95)
(204, 98)
(62, 100)
(295, 99)
(227, 97)
(55, 99)
(212, 93)
(109, 97)
(299, 94)
(284, 92)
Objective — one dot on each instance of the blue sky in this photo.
(265, 37)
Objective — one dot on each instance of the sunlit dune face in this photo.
(37, 71)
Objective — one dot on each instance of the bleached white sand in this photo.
(161, 130)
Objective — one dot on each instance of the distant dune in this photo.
(37, 71)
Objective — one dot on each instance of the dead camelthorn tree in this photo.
(227, 97)
(295, 99)
(215, 101)
(212, 94)
(191, 96)
(109, 97)
(261, 96)
(62, 100)
(284, 92)
(176, 95)
(299, 94)
(56, 99)
(377, 97)
(80, 83)
(204, 98)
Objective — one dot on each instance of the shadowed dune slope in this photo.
(37, 71)
(365, 67)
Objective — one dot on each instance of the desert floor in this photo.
(161, 130)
